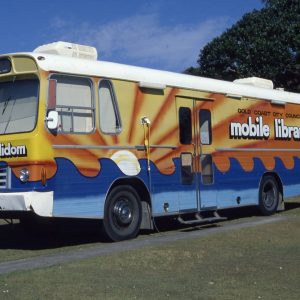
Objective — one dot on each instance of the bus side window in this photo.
(185, 125)
(109, 116)
(205, 127)
(74, 104)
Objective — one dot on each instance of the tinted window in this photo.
(5, 66)
(187, 176)
(185, 125)
(205, 126)
(207, 169)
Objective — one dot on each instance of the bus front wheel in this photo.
(269, 195)
(122, 214)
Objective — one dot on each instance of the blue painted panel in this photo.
(78, 195)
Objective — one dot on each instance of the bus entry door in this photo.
(204, 150)
(195, 138)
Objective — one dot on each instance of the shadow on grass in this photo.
(49, 234)
(57, 233)
(291, 205)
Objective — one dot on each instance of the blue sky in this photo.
(162, 34)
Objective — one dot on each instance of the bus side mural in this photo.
(91, 139)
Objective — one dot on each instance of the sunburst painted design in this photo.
(135, 103)
(164, 130)
(138, 102)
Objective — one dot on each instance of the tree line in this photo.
(264, 43)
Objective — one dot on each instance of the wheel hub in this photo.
(122, 212)
(269, 195)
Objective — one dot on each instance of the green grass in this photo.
(17, 242)
(261, 262)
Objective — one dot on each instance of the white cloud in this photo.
(144, 40)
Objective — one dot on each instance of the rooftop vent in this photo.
(68, 49)
(255, 81)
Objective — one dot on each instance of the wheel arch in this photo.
(144, 195)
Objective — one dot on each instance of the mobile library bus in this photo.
(92, 139)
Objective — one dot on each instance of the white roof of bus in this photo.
(138, 74)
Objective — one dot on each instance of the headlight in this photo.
(24, 175)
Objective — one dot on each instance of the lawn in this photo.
(261, 262)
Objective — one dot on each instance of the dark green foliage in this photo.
(264, 43)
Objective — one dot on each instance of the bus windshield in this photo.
(18, 105)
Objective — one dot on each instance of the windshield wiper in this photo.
(5, 104)
(9, 97)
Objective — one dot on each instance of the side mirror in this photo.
(52, 120)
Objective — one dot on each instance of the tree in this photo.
(264, 43)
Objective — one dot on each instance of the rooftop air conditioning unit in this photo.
(68, 49)
(256, 81)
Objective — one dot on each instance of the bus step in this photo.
(199, 219)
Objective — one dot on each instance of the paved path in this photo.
(151, 240)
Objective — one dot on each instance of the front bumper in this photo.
(40, 203)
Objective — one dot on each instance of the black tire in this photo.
(269, 195)
(122, 214)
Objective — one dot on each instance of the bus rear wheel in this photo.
(269, 195)
(123, 212)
